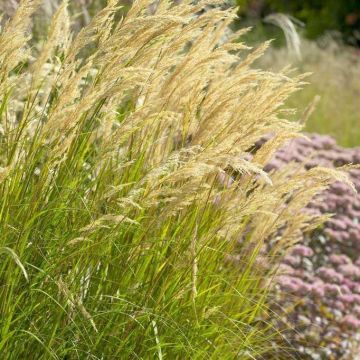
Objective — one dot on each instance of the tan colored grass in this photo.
(195, 107)
(199, 110)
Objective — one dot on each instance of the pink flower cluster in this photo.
(320, 279)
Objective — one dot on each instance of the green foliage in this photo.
(334, 70)
(321, 15)
(318, 16)
(339, 119)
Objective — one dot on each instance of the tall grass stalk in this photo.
(124, 187)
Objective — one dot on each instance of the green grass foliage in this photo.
(124, 187)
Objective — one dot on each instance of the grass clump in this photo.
(124, 187)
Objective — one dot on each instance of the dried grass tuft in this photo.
(114, 142)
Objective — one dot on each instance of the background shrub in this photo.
(318, 16)
(332, 91)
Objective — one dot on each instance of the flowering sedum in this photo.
(319, 281)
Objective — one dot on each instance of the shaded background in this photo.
(318, 16)
(329, 38)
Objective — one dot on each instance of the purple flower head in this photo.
(350, 270)
(345, 289)
(331, 289)
(330, 275)
(356, 288)
(347, 298)
(356, 310)
(339, 188)
(351, 322)
(302, 250)
(354, 234)
(294, 285)
(339, 259)
(337, 224)
(285, 270)
(318, 288)
(294, 261)
(339, 305)
(333, 234)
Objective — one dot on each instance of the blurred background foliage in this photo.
(329, 40)
(318, 16)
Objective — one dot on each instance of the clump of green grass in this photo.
(123, 187)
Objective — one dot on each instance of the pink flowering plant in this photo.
(318, 289)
